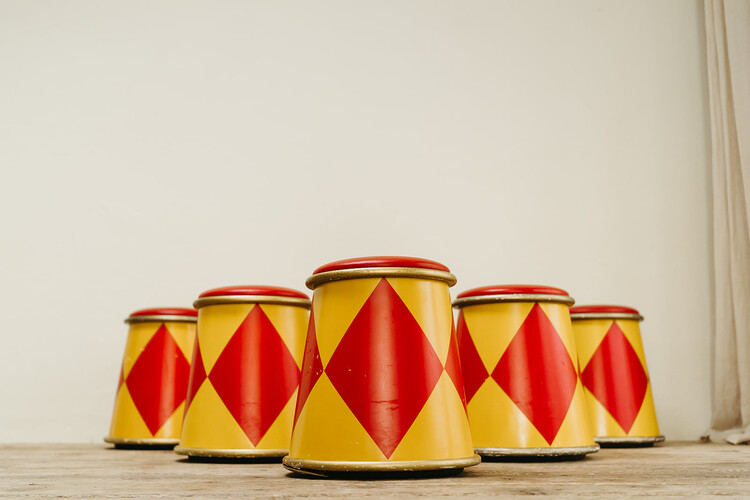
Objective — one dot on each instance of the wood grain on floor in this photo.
(98, 471)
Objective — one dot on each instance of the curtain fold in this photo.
(728, 57)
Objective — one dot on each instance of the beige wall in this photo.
(152, 150)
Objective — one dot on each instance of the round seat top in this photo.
(383, 267)
(603, 309)
(271, 291)
(512, 290)
(381, 261)
(165, 311)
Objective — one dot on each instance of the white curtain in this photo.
(728, 55)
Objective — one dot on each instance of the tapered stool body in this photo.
(381, 386)
(519, 362)
(246, 370)
(154, 376)
(614, 375)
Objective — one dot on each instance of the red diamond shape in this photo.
(615, 376)
(453, 366)
(384, 368)
(255, 375)
(158, 380)
(472, 367)
(536, 372)
(197, 375)
(312, 368)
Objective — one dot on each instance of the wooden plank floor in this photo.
(97, 471)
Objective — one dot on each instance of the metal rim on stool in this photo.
(585, 316)
(379, 272)
(142, 441)
(513, 297)
(629, 440)
(251, 299)
(537, 452)
(161, 318)
(229, 453)
(321, 467)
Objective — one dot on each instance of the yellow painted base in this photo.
(589, 335)
(128, 427)
(327, 431)
(209, 428)
(497, 423)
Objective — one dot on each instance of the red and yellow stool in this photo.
(153, 378)
(246, 370)
(614, 375)
(519, 362)
(381, 386)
